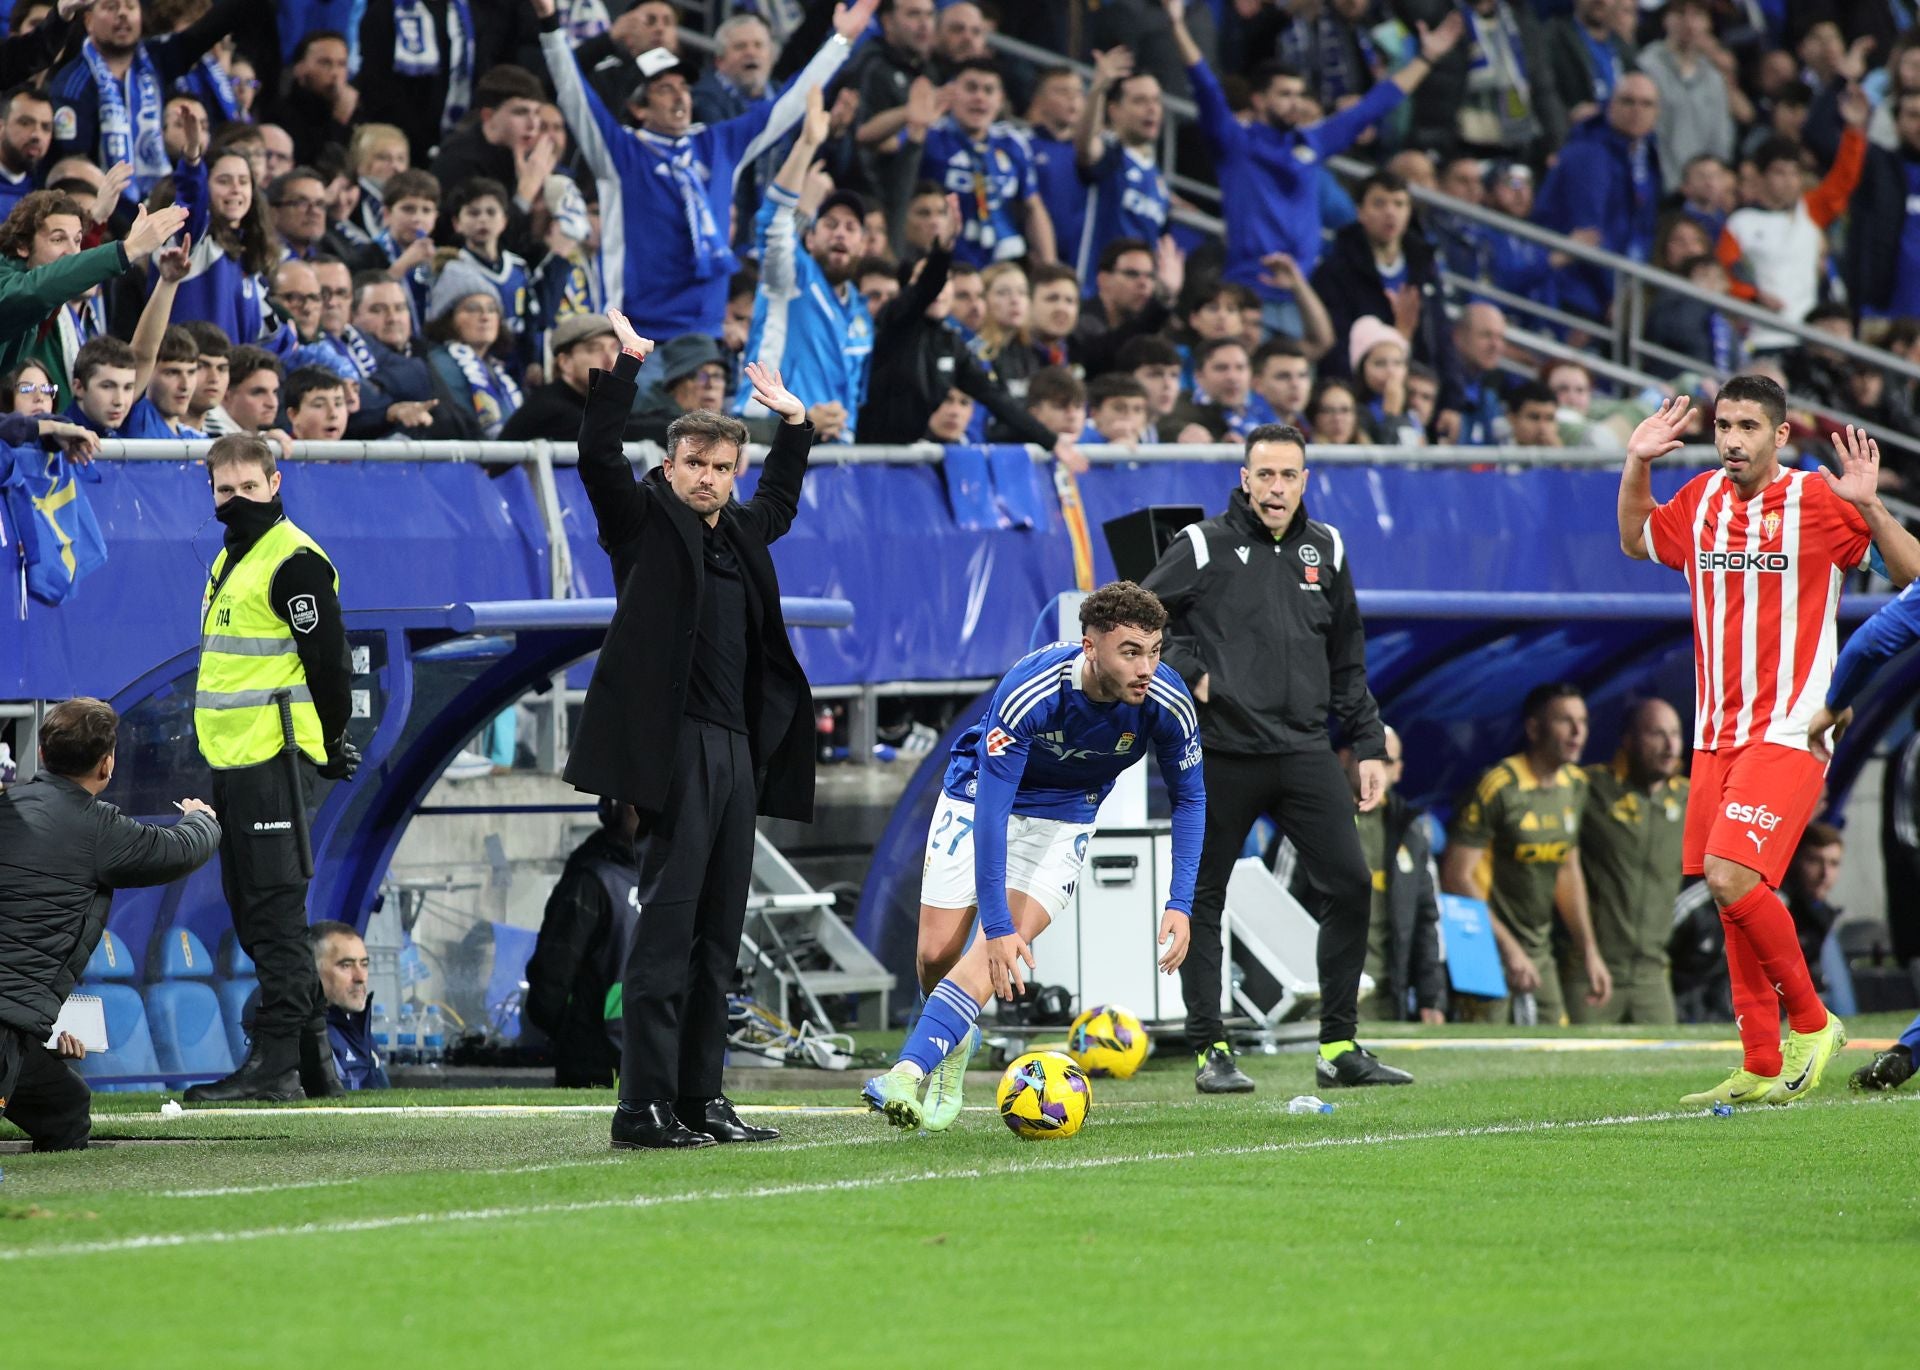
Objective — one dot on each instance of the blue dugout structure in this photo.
(1476, 583)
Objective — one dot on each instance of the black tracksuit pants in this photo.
(696, 869)
(260, 876)
(42, 1095)
(1309, 797)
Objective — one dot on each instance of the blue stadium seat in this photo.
(183, 1013)
(236, 985)
(129, 1044)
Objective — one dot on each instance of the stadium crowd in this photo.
(322, 220)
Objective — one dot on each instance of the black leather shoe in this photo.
(716, 1118)
(652, 1127)
(1215, 1073)
(270, 1074)
(319, 1077)
(1356, 1067)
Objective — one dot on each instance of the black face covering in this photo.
(247, 519)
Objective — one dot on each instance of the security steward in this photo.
(270, 620)
(1630, 852)
(1266, 631)
(698, 715)
(63, 852)
(574, 990)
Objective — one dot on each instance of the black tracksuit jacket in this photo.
(1274, 625)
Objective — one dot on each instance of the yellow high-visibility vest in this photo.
(247, 652)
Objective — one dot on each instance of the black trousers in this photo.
(1309, 797)
(696, 868)
(41, 1095)
(260, 876)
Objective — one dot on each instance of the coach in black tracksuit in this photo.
(1265, 630)
(699, 716)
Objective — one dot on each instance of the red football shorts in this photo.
(1750, 805)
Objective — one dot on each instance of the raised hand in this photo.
(769, 391)
(1438, 41)
(1854, 108)
(816, 124)
(1659, 433)
(1169, 266)
(845, 112)
(850, 21)
(1859, 456)
(193, 130)
(543, 9)
(630, 341)
(107, 198)
(173, 263)
(1176, 11)
(1279, 270)
(923, 105)
(950, 224)
(151, 229)
(1111, 67)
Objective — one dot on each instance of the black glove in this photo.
(343, 759)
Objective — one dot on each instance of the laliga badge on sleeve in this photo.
(303, 613)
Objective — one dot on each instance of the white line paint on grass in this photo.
(1015, 1170)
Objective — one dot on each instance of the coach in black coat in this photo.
(699, 716)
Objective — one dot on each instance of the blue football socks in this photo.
(943, 1025)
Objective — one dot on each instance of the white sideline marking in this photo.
(228, 1191)
(167, 1240)
(453, 1111)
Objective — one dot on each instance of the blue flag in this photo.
(59, 537)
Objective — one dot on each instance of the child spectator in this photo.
(465, 319)
(408, 214)
(1058, 399)
(479, 212)
(1118, 410)
(949, 422)
(1283, 377)
(1776, 249)
(1533, 416)
(175, 380)
(213, 351)
(1423, 394)
(1155, 363)
(567, 281)
(1002, 341)
(317, 404)
(1377, 354)
(110, 376)
(253, 390)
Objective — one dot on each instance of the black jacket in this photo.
(1348, 283)
(1876, 218)
(916, 360)
(1413, 909)
(1275, 627)
(464, 154)
(62, 855)
(637, 698)
(579, 958)
(1434, 124)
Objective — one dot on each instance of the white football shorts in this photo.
(1044, 856)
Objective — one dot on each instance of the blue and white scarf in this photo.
(585, 19)
(711, 254)
(355, 344)
(130, 134)
(209, 82)
(495, 396)
(416, 52)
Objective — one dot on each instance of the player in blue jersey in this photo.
(1894, 627)
(809, 323)
(1129, 196)
(1011, 829)
(666, 189)
(989, 165)
(1271, 167)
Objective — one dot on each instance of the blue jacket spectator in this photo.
(1273, 167)
(355, 1057)
(809, 323)
(1057, 103)
(108, 103)
(340, 960)
(1605, 191)
(665, 190)
(233, 247)
(1472, 387)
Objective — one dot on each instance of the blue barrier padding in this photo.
(425, 533)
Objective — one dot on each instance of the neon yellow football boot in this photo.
(1804, 1059)
(1741, 1087)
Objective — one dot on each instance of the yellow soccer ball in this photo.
(1044, 1095)
(1108, 1042)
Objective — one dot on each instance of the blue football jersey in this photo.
(1043, 749)
(992, 178)
(1128, 199)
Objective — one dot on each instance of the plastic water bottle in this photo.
(433, 1037)
(1526, 1011)
(382, 1033)
(1307, 1103)
(406, 1045)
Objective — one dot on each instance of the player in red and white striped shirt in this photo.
(1764, 551)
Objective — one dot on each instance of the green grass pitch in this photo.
(1511, 1208)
